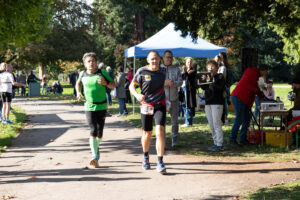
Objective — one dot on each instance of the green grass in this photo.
(287, 191)
(10, 131)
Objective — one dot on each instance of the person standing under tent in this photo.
(214, 101)
(172, 83)
(94, 82)
(151, 80)
(189, 76)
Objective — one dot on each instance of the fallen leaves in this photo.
(32, 178)
(4, 197)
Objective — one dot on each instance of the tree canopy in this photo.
(22, 21)
(217, 19)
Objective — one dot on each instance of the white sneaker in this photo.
(185, 125)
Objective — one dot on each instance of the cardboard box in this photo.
(277, 138)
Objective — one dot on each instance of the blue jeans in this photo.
(242, 117)
(122, 105)
(108, 98)
(188, 116)
(180, 110)
(257, 106)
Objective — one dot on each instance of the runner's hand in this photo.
(102, 81)
(79, 97)
(140, 97)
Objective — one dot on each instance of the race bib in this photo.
(147, 109)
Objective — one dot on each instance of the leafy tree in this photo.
(68, 40)
(120, 24)
(217, 19)
(22, 21)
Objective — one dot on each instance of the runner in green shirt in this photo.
(94, 82)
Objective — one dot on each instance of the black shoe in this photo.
(108, 114)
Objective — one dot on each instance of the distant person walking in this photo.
(94, 82)
(151, 79)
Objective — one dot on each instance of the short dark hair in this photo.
(153, 51)
(89, 54)
(168, 51)
(263, 67)
(212, 62)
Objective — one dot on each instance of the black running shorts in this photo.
(159, 115)
(6, 97)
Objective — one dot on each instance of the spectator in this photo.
(32, 78)
(73, 79)
(108, 90)
(189, 76)
(242, 98)
(172, 83)
(56, 87)
(121, 93)
(126, 86)
(44, 84)
(214, 101)
(22, 79)
(7, 81)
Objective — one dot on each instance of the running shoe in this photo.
(9, 122)
(211, 148)
(94, 163)
(146, 163)
(161, 168)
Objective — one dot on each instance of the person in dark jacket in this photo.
(214, 100)
(73, 79)
(242, 98)
(189, 88)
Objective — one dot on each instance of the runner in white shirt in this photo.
(6, 83)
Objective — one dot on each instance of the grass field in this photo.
(10, 131)
(288, 191)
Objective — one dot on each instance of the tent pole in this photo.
(133, 75)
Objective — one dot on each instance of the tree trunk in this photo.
(139, 23)
(42, 70)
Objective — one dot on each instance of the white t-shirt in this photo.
(6, 80)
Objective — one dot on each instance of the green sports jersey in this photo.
(94, 93)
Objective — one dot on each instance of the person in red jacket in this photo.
(242, 98)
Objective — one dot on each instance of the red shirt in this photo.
(247, 87)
